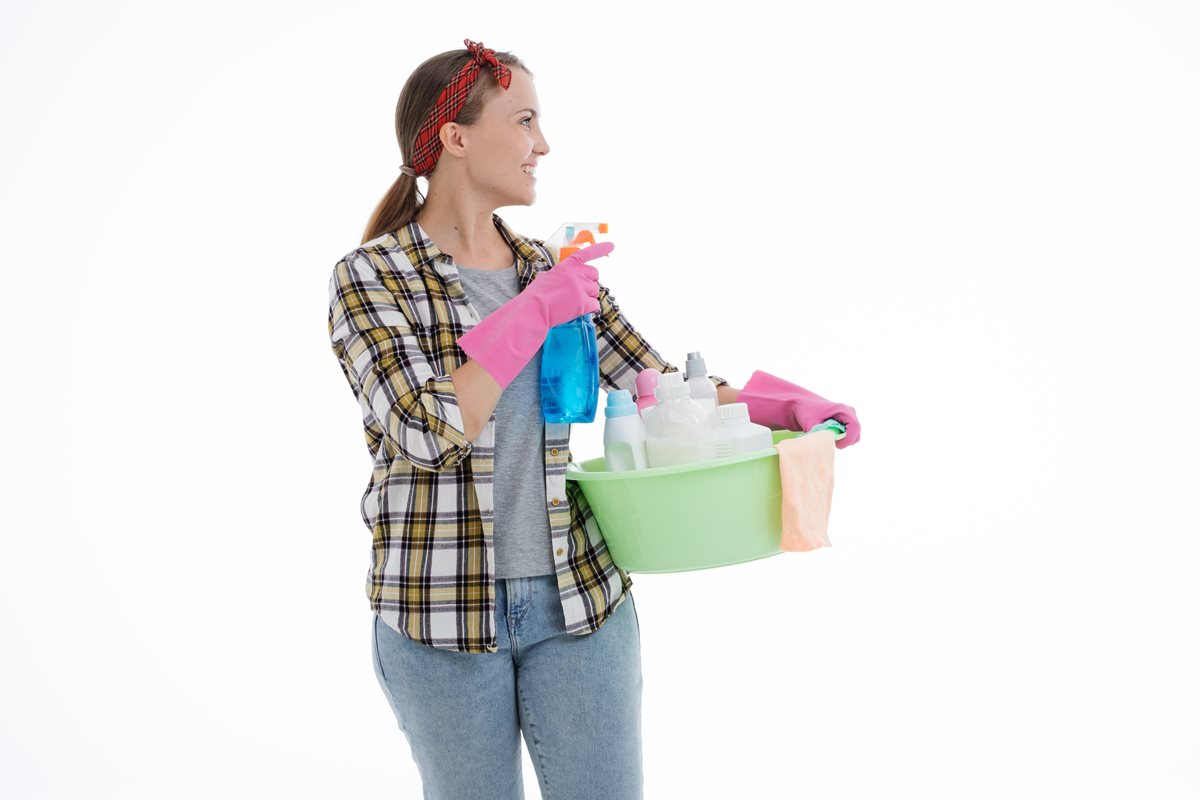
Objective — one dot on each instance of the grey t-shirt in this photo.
(521, 525)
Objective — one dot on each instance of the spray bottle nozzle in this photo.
(573, 236)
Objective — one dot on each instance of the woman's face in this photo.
(508, 138)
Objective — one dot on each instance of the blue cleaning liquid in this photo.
(570, 380)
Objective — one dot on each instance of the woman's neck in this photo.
(469, 235)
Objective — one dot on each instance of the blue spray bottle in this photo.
(570, 384)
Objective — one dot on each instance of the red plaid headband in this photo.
(429, 145)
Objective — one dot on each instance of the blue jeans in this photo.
(576, 699)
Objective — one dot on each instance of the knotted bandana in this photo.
(428, 145)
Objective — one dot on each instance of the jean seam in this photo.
(541, 761)
(635, 614)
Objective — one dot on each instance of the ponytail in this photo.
(398, 207)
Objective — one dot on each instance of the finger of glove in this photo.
(584, 285)
(590, 252)
(573, 267)
(580, 280)
(853, 429)
(571, 286)
(572, 308)
(853, 433)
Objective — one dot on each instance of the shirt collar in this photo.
(424, 254)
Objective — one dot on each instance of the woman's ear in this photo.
(451, 134)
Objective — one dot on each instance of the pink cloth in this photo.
(806, 477)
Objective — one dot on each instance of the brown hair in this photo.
(400, 204)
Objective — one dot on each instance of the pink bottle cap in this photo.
(647, 382)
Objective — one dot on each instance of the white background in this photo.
(975, 223)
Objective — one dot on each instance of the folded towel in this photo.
(806, 477)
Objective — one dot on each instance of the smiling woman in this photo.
(496, 606)
(481, 121)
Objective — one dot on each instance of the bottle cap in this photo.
(672, 387)
(620, 404)
(695, 366)
(733, 412)
(647, 379)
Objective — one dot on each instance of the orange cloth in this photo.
(806, 477)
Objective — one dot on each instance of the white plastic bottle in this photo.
(680, 430)
(624, 434)
(736, 434)
(703, 391)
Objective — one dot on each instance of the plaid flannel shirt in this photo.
(396, 311)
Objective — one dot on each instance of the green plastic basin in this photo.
(694, 516)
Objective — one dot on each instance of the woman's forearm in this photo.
(727, 394)
(478, 393)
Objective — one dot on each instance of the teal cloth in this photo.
(839, 430)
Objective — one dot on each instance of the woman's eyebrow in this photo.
(524, 109)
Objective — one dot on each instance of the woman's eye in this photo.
(527, 119)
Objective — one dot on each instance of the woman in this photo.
(498, 610)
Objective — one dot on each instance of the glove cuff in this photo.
(767, 400)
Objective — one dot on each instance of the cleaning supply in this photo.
(646, 383)
(624, 434)
(572, 236)
(806, 480)
(691, 516)
(570, 367)
(702, 389)
(735, 434)
(775, 402)
(679, 431)
(504, 341)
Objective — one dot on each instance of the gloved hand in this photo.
(504, 341)
(774, 402)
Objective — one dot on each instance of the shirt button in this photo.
(553, 451)
(560, 551)
(554, 502)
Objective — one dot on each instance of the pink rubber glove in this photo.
(504, 341)
(774, 402)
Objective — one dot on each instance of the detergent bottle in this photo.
(624, 434)
(702, 389)
(570, 368)
(736, 434)
(680, 430)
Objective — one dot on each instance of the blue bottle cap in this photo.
(620, 404)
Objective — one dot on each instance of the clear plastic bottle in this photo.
(736, 434)
(570, 367)
(679, 431)
(702, 389)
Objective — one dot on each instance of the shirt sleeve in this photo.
(381, 356)
(623, 352)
